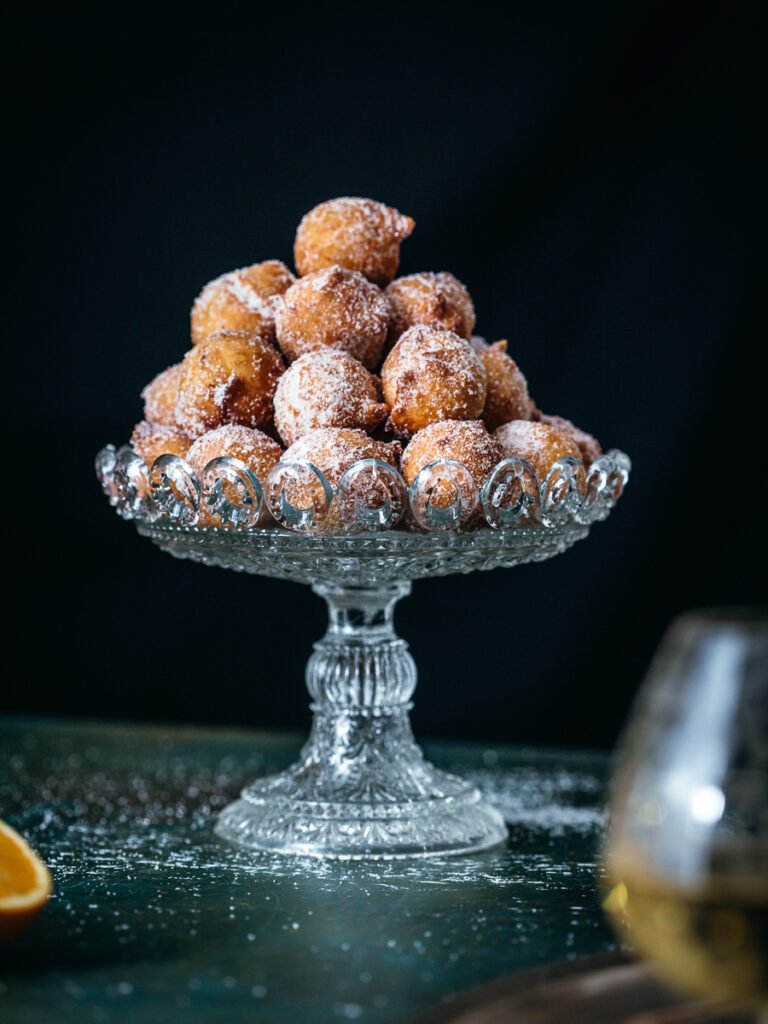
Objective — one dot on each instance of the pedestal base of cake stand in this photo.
(362, 787)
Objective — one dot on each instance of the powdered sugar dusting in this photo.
(538, 443)
(438, 300)
(150, 440)
(334, 449)
(326, 388)
(228, 378)
(465, 441)
(118, 812)
(221, 390)
(335, 308)
(244, 292)
(359, 234)
(160, 397)
(259, 452)
(243, 299)
(430, 376)
(589, 446)
(507, 396)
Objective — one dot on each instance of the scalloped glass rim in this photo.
(371, 496)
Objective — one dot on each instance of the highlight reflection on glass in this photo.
(687, 853)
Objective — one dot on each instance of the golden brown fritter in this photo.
(430, 376)
(228, 378)
(359, 234)
(242, 300)
(334, 308)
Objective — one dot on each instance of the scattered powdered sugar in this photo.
(148, 902)
(556, 800)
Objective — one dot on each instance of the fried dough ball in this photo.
(507, 395)
(359, 234)
(333, 450)
(464, 441)
(234, 441)
(478, 343)
(539, 444)
(589, 446)
(228, 378)
(430, 376)
(161, 395)
(259, 453)
(242, 300)
(151, 440)
(334, 308)
(326, 388)
(437, 300)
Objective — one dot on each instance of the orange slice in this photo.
(25, 882)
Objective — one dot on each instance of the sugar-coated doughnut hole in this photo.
(326, 388)
(161, 395)
(359, 234)
(228, 378)
(588, 445)
(242, 300)
(334, 308)
(437, 300)
(234, 441)
(463, 441)
(333, 450)
(538, 443)
(151, 440)
(431, 376)
(507, 396)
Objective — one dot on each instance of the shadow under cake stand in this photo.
(362, 787)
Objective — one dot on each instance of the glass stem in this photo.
(361, 662)
(361, 678)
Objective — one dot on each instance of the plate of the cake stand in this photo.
(361, 559)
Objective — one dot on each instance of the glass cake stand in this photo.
(362, 787)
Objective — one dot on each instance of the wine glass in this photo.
(686, 858)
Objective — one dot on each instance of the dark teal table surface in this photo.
(155, 919)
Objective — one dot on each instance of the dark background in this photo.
(590, 171)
